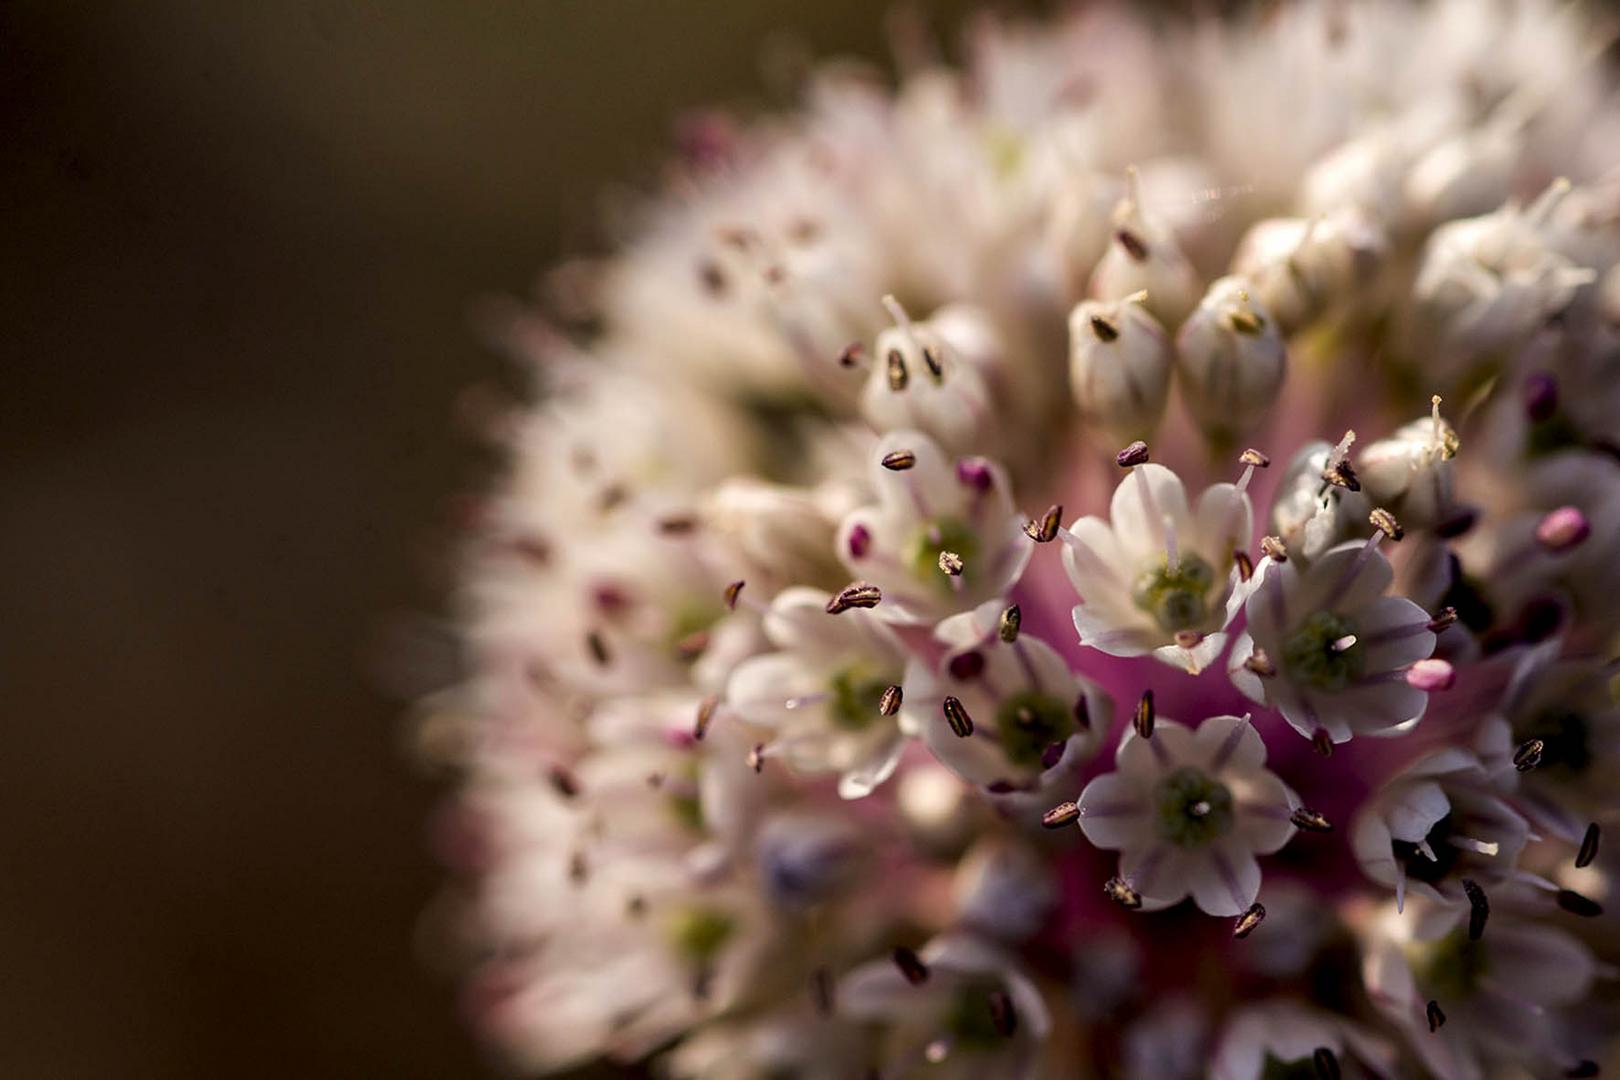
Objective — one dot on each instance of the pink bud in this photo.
(1564, 528)
(1431, 675)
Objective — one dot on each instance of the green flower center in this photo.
(1325, 652)
(942, 534)
(698, 933)
(1030, 721)
(1176, 598)
(1451, 968)
(855, 692)
(968, 1018)
(1191, 809)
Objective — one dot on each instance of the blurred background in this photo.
(240, 246)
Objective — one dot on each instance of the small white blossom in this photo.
(1144, 257)
(1189, 811)
(1231, 360)
(1410, 472)
(1119, 367)
(1326, 647)
(1161, 576)
(1309, 513)
(919, 379)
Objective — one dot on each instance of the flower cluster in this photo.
(1098, 564)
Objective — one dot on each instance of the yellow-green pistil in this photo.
(1191, 808)
(1325, 653)
(1177, 598)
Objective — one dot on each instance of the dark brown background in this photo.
(238, 246)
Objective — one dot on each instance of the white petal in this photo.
(1140, 505)
(1125, 821)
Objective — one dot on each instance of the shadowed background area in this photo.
(240, 244)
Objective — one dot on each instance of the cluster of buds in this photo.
(894, 651)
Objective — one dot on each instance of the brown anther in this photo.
(1442, 620)
(1326, 1064)
(889, 702)
(1246, 322)
(950, 563)
(1116, 889)
(1008, 625)
(756, 757)
(1060, 815)
(705, 716)
(931, 358)
(1385, 522)
(677, 524)
(1002, 1015)
(733, 591)
(1341, 474)
(957, 717)
(898, 375)
(578, 868)
(1589, 846)
(1576, 904)
(1308, 820)
(1244, 564)
(1045, 530)
(1259, 663)
(1251, 456)
(1134, 454)
(712, 277)
(852, 355)
(563, 781)
(596, 645)
(822, 991)
(1249, 921)
(1188, 639)
(1273, 548)
(910, 965)
(1142, 719)
(899, 460)
(1133, 245)
(857, 594)
(1322, 742)
(1479, 908)
(1105, 330)
(692, 645)
(1436, 1016)
(1528, 755)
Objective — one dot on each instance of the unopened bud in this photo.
(1232, 360)
(1119, 367)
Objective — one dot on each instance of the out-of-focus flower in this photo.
(766, 626)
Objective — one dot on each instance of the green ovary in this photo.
(1310, 656)
(1176, 598)
(855, 692)
(1191, 809)
(699, 933)
(942, 534)
(1028, 722)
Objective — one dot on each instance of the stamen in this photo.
(733, 591)
(1060, 815)
(858, 594)
(957, 717)
(1385, 522)
(1431, 675)
(1309, 820)
(1273, 547)
(1563, 529)
(1133, 244)
(1343, 644)
(950, 563)
(1576, 904)
(1326, 1064)
(899, 460)
(889, 703)
(1002, 1016)
(1443, 620)
(1260, 663)
(1589, 846)
(564, 782)
(1116, 889)
(898, 314)
(1008, 625)
(898, 376)
(910, 965)
(1249, 921)
(931, 358)
(1528, 755)
(1436, 1016)
(1322, 742)
(1244, 564)
(1142, 720)
(1046, 529)
(1338, 471)
(677, 524)
(1251, 459)
(705, 716)
(598, 649)
(1134, 454)
(1479, 909)
(1105, 330)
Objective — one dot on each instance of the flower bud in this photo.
(1231, 358)
(1308, 513)
(1296, 268)
(1411, 471)
(1119, 367)
(922, 377)
(1143, 257)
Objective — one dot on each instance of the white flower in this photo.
(1231, 360)
(1435, 824)
(1119, 367)
(1189, 811)
(821, 691)
(1326, 647)
(928, 508)
(1410, 472)
(1144, 258)
(1464, 1004)
(1286, 1037)
(1161, 577)
(963, 1007)
(780, 533)
(920, 380)
(1031, 723)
